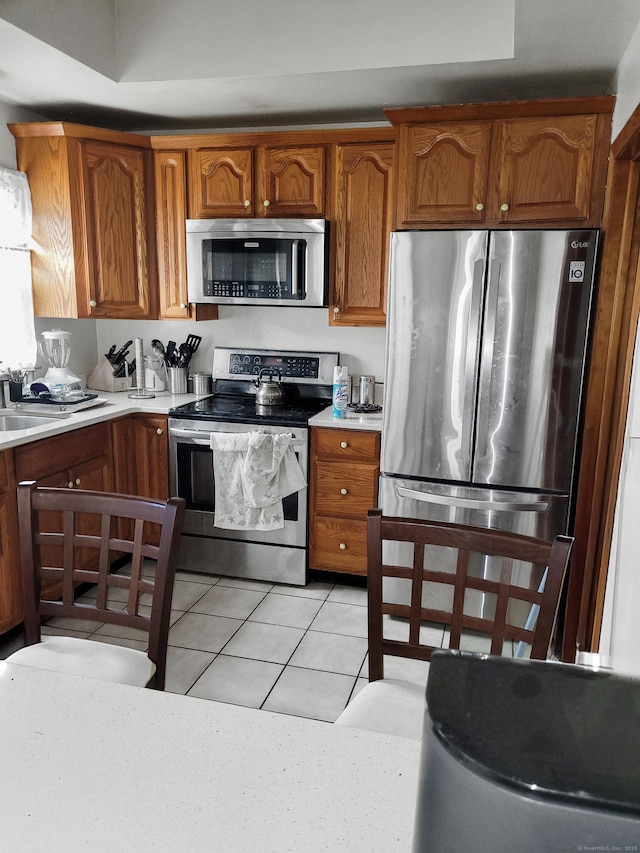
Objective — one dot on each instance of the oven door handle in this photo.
(196, 437)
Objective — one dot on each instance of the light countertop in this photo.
(325, 418)
(97, 766)
(116, 405)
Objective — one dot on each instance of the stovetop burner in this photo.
(243, 409)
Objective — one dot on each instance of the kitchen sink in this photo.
(10, 423)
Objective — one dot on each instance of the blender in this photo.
(55, 346)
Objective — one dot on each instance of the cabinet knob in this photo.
(183, 305)
(479, 206)
(77, 481)
(504, 207)
(344, 444)
(160, 431)
(247, 202)
(343, 547)
(336, 310)
(93, 303)
(266, 202)
(344, 492)
(70, 484)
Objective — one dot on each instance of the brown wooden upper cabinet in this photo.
(266, 181)
(170, 175)
(362, 184)
(92, 220)
(524, 163)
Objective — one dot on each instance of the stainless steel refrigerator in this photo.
(486, 343)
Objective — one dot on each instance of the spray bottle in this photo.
(340, 392)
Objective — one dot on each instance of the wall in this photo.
(10, 113)
(626, 84)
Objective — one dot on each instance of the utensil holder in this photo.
(177, 379)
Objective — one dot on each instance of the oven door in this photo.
(192, 478)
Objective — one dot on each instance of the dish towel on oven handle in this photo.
(253, 472)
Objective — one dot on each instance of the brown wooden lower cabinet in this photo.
(141, 456)
(129, 455)
(345, 466)
(11, 610)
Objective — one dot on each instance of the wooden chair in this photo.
(516, 581)
(69, 537)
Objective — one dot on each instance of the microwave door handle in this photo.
(202, 437)
(296, 290)
(469, 503)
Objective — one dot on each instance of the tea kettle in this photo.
(269, 393)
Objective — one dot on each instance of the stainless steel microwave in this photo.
(257, 261)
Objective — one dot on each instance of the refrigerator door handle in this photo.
(469, 503)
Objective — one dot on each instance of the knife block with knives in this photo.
(113, 372)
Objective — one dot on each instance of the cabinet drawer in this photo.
(347, 445)
(52, 455)
(339, 545)
(348, 490)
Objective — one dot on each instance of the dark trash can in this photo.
(527, 756)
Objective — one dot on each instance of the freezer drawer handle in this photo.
(468, 503)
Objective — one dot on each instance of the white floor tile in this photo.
(310, 693)
(315, 589)
(186, 593)
(348, 595)
(260, 641)
(50, 630)
(238, 681)
(235, 602)
(199, 631)
(289, 610)
(197, 577)
(335, 618)
(245, 583)
(129, 642)
(330, 653)
(184, 668)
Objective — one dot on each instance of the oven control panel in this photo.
(305, 367)
(297, 367)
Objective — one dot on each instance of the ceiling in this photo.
(162, 65)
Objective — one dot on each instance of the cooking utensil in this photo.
(269, 392)
(121, 354)
(193, 342)
(170, 354)
(184, 355)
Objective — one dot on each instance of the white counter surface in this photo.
(105, 767)
(352, 421)
(116, 406)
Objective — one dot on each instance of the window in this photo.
(17, 330)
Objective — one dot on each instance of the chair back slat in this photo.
(77, 534)
(493, 578)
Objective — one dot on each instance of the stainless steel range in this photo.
(274, 555)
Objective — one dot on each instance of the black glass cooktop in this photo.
(243, 409)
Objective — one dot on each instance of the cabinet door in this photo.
(363, 186)
(543, 168)
(291, 181)
(152, 456)
(220, 183)
(442, 175)
(170, 176)
(117, 230)
(11, 607)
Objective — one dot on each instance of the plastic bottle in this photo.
(340, 392)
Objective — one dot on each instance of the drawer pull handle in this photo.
(70, 484)
(77, 481)
(344, 492)
(343, 547)
(344, 444)
(159, 431)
